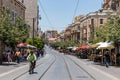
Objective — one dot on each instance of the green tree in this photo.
(39, 43)
(12, 33)
(110, 31)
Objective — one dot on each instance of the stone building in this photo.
(93, 20)
(109, 4)
(75, 30)
(31, 15)
(40, 33)
(51, 35)
(83, 28)
(16, 7)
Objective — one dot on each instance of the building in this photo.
(75, 32)
(40, 33)
(109, 4)
(61, 37)
(31, 15)
(16, 7)
(118, 6)
(51, 35)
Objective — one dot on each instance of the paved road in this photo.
(57, 66)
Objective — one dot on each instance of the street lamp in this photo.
(38, 17)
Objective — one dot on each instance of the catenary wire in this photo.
(75, 10)
(45, 13)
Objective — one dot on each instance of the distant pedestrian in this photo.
(18, 56)
(9, 56)
(107, 59)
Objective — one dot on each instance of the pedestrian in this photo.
(107, 59)
(9, 56)
(32, 59)
(18, 56)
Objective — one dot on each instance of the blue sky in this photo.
(60, 13)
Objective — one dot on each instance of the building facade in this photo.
(31, 15)
(110, 4)
(16, 8)
(83, 28)
(51, 35)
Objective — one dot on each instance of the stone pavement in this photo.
(5, 67)
(112, 70)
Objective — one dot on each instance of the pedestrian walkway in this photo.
(5, 67)
(112, 70)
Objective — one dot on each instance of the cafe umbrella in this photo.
(22, 45)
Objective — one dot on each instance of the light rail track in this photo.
(82, 68)
(36, 67)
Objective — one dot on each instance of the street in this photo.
(57, 66)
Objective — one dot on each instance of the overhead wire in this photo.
(45, 13)
(75, 10)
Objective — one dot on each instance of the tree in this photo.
(39, 43)
(12, 33)
(110, 31)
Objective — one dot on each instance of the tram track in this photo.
(81, 68)
(70, 76)
(25, 72)
(47, 69)
(36, 67)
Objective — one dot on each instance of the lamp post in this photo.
(33, 32)
(38, 17)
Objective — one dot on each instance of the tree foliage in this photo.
(11, 33)
(39, 43)
(110, 31)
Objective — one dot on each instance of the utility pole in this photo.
(33, 32)
(34, 28)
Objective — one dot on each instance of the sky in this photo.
(58, 14)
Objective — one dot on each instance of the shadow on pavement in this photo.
(8, 64)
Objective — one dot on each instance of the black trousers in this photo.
(32, 66)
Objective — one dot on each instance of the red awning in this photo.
(21, 44)
(82, 47)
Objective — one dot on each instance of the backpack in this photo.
(31, 57)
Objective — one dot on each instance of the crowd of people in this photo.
(20, 55)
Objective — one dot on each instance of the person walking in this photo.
(32, 59)
(9, 56)
(107, 59)
(18, 55)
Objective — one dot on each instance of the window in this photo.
(78, 27)
(101, 21)
(92, 22)
(22, 1)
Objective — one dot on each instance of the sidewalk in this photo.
(5, 67)
(112, 70)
